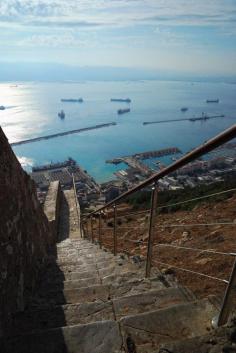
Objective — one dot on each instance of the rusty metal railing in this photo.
(229, 302)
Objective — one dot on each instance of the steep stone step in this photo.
(90, 255)
(99, 337)
(59, 316)
(121, 278)
(115, 269)
(86, 260)
(54, 277)
(72, 296)
(82, 267)
(148, 301)
(97, 292)
(70, 276)
(149, 330)
(73, 314)
(66, 285)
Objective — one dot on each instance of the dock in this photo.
(134, 161)
(200, 118)
(159, 153)
(64, 133)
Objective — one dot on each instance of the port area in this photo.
(64, 133)
(204, 117)
(215, 167)
(86, 187)
(137, 169)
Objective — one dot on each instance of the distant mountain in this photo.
(59, 72)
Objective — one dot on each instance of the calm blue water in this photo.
(32, 111)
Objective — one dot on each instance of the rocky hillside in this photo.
(133, 234)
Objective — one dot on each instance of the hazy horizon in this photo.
(43, 72)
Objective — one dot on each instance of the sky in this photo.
(197, 36)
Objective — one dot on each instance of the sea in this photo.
(32, 110)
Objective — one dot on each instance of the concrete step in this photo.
(148, 301)
(89, 255)
(67, 285)
(93, 293)
(74, 314)
(124, 277)
(72, 296)
(62, 315)
(149, 330)
(57, 277)
(82, 267)
(99, 337)
(86, 261)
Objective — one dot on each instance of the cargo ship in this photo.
(184, 109)
(72, 100)
(2, 107)
(62, 114)
(123, 111)
(125, 100)
(213, 100)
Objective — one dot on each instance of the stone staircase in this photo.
(89, 301)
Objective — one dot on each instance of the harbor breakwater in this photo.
(64, 133)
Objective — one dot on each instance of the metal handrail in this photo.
(206, 147)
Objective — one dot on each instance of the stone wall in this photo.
(52, 208)
(25, 236)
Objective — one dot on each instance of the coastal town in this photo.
(216, 167)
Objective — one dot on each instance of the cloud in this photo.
(92, 13)
(52, 41)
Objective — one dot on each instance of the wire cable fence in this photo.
(149, 234)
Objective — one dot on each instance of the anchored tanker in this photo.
(123, 111)
(72, 100)
(125, 100)
(62, 114)
(212, 100)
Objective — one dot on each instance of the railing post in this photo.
(87, 231)
(151, 230)
(229, 302)
(91, 224)
(114, 232)
(100, 230)
(82, 228)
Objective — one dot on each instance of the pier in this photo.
(158, 153)
(134, 162)
(76, 131)
(200, 118)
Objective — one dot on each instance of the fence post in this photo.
(114, 231)
(229, 302)
(91, 224)
(151, 229)
(100, 230)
